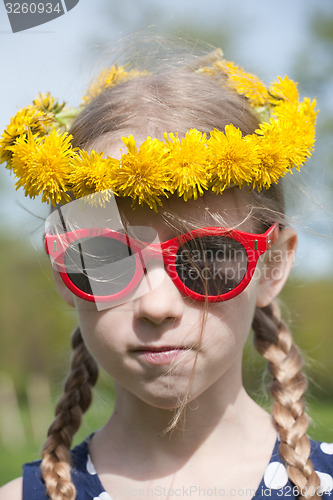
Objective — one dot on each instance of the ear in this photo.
(62, 288)
(276, 266)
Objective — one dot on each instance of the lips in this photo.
(160, 355)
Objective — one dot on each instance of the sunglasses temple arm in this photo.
(82, 260)
(145, 271)
(62, 219)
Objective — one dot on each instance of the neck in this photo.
(224, 415)
(197, 420)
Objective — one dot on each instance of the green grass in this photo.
(321, 427)
(13, 457)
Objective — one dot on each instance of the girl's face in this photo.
(162, 346)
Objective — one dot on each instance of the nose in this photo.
(163, 302)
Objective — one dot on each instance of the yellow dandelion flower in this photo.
(130, 145)
(189, 164)
(300, 139)
(233, 159)
(273, 161)
(109, 77)
(300, 115)
(144, 173)
(293, 126)
(284, 89)
(27, 119)
(246, 84)
(42, 164)
(91, 173)
(307, 127)
(47, 103)
(299, 150)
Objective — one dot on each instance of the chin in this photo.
(168, 402)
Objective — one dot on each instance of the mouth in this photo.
(160, 355)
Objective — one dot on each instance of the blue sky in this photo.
(63, 55)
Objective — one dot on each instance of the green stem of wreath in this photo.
(65, 118)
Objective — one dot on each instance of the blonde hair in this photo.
(177, 101)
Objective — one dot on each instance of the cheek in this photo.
(226, 329)
(99, 332)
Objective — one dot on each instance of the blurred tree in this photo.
(314, 68)
(34, 335)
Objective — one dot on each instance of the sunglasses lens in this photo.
(99, 266)
(211, 265)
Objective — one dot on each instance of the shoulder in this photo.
(33, 485)
(12, 490)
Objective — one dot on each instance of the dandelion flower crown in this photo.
(36, 146)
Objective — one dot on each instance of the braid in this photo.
(70, 408)
(274, 342)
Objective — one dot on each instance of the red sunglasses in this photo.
(211, 263)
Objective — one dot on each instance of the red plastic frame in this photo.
(254, 244)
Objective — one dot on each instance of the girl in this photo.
(171, 245)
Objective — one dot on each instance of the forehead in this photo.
(229, 210)
(104, 210)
